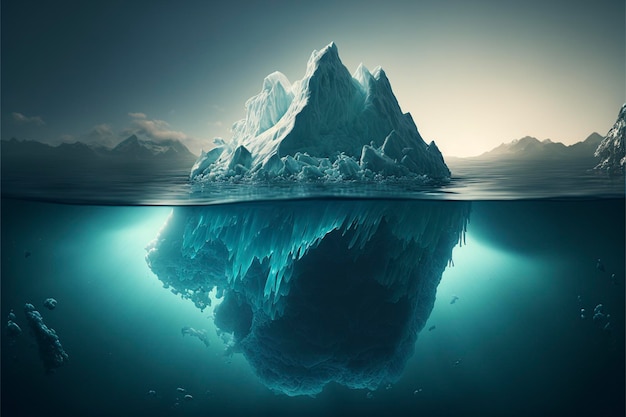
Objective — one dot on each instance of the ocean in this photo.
(488, 309)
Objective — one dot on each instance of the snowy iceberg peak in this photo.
(321, 127)
(612, 149)
(265, 109)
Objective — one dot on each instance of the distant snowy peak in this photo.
(328, 125)
(612, 149)
(142, 148)
(529, 148)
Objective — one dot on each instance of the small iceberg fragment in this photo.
(431, 328)
(181, 390)
(13, 329)
(152, 393)
(200, 334)
(583, 313)
(50, 303)
(453, 300)
(188, 397)
(50, 349)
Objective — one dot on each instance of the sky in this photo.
(472, 74)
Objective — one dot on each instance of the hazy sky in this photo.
(473, 74)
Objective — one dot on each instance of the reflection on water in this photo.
(314, 291)
(471, 180)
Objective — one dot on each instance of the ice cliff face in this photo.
(314, 291)
(612, 149)
(328, 125)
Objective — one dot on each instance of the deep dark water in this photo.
(513, 343)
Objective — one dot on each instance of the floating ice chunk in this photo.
(453, 300)
(12, 316)
(457, 362)
(417, 391)
(188, 397)
(50, 303)
(607, 326)
(13, 329)
(152, 393)
(200, 334)
(431, 328)
(369, 395)
(181, 390)
(583, 313)
(205, 160)
(50, 350)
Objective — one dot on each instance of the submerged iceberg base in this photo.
(314, 292)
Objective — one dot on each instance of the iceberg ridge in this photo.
(329, 125)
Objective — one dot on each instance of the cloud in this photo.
(102, 134)
(159, 130)
(23, 119)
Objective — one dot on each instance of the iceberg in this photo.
(328, 126)
(50, 349)
(313, 291)
(612, 149)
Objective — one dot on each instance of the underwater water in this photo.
(376, 304)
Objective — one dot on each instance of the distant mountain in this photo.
(527, 155)
(529, 148)
(132, 154)
(612, 149)
(141, 149)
